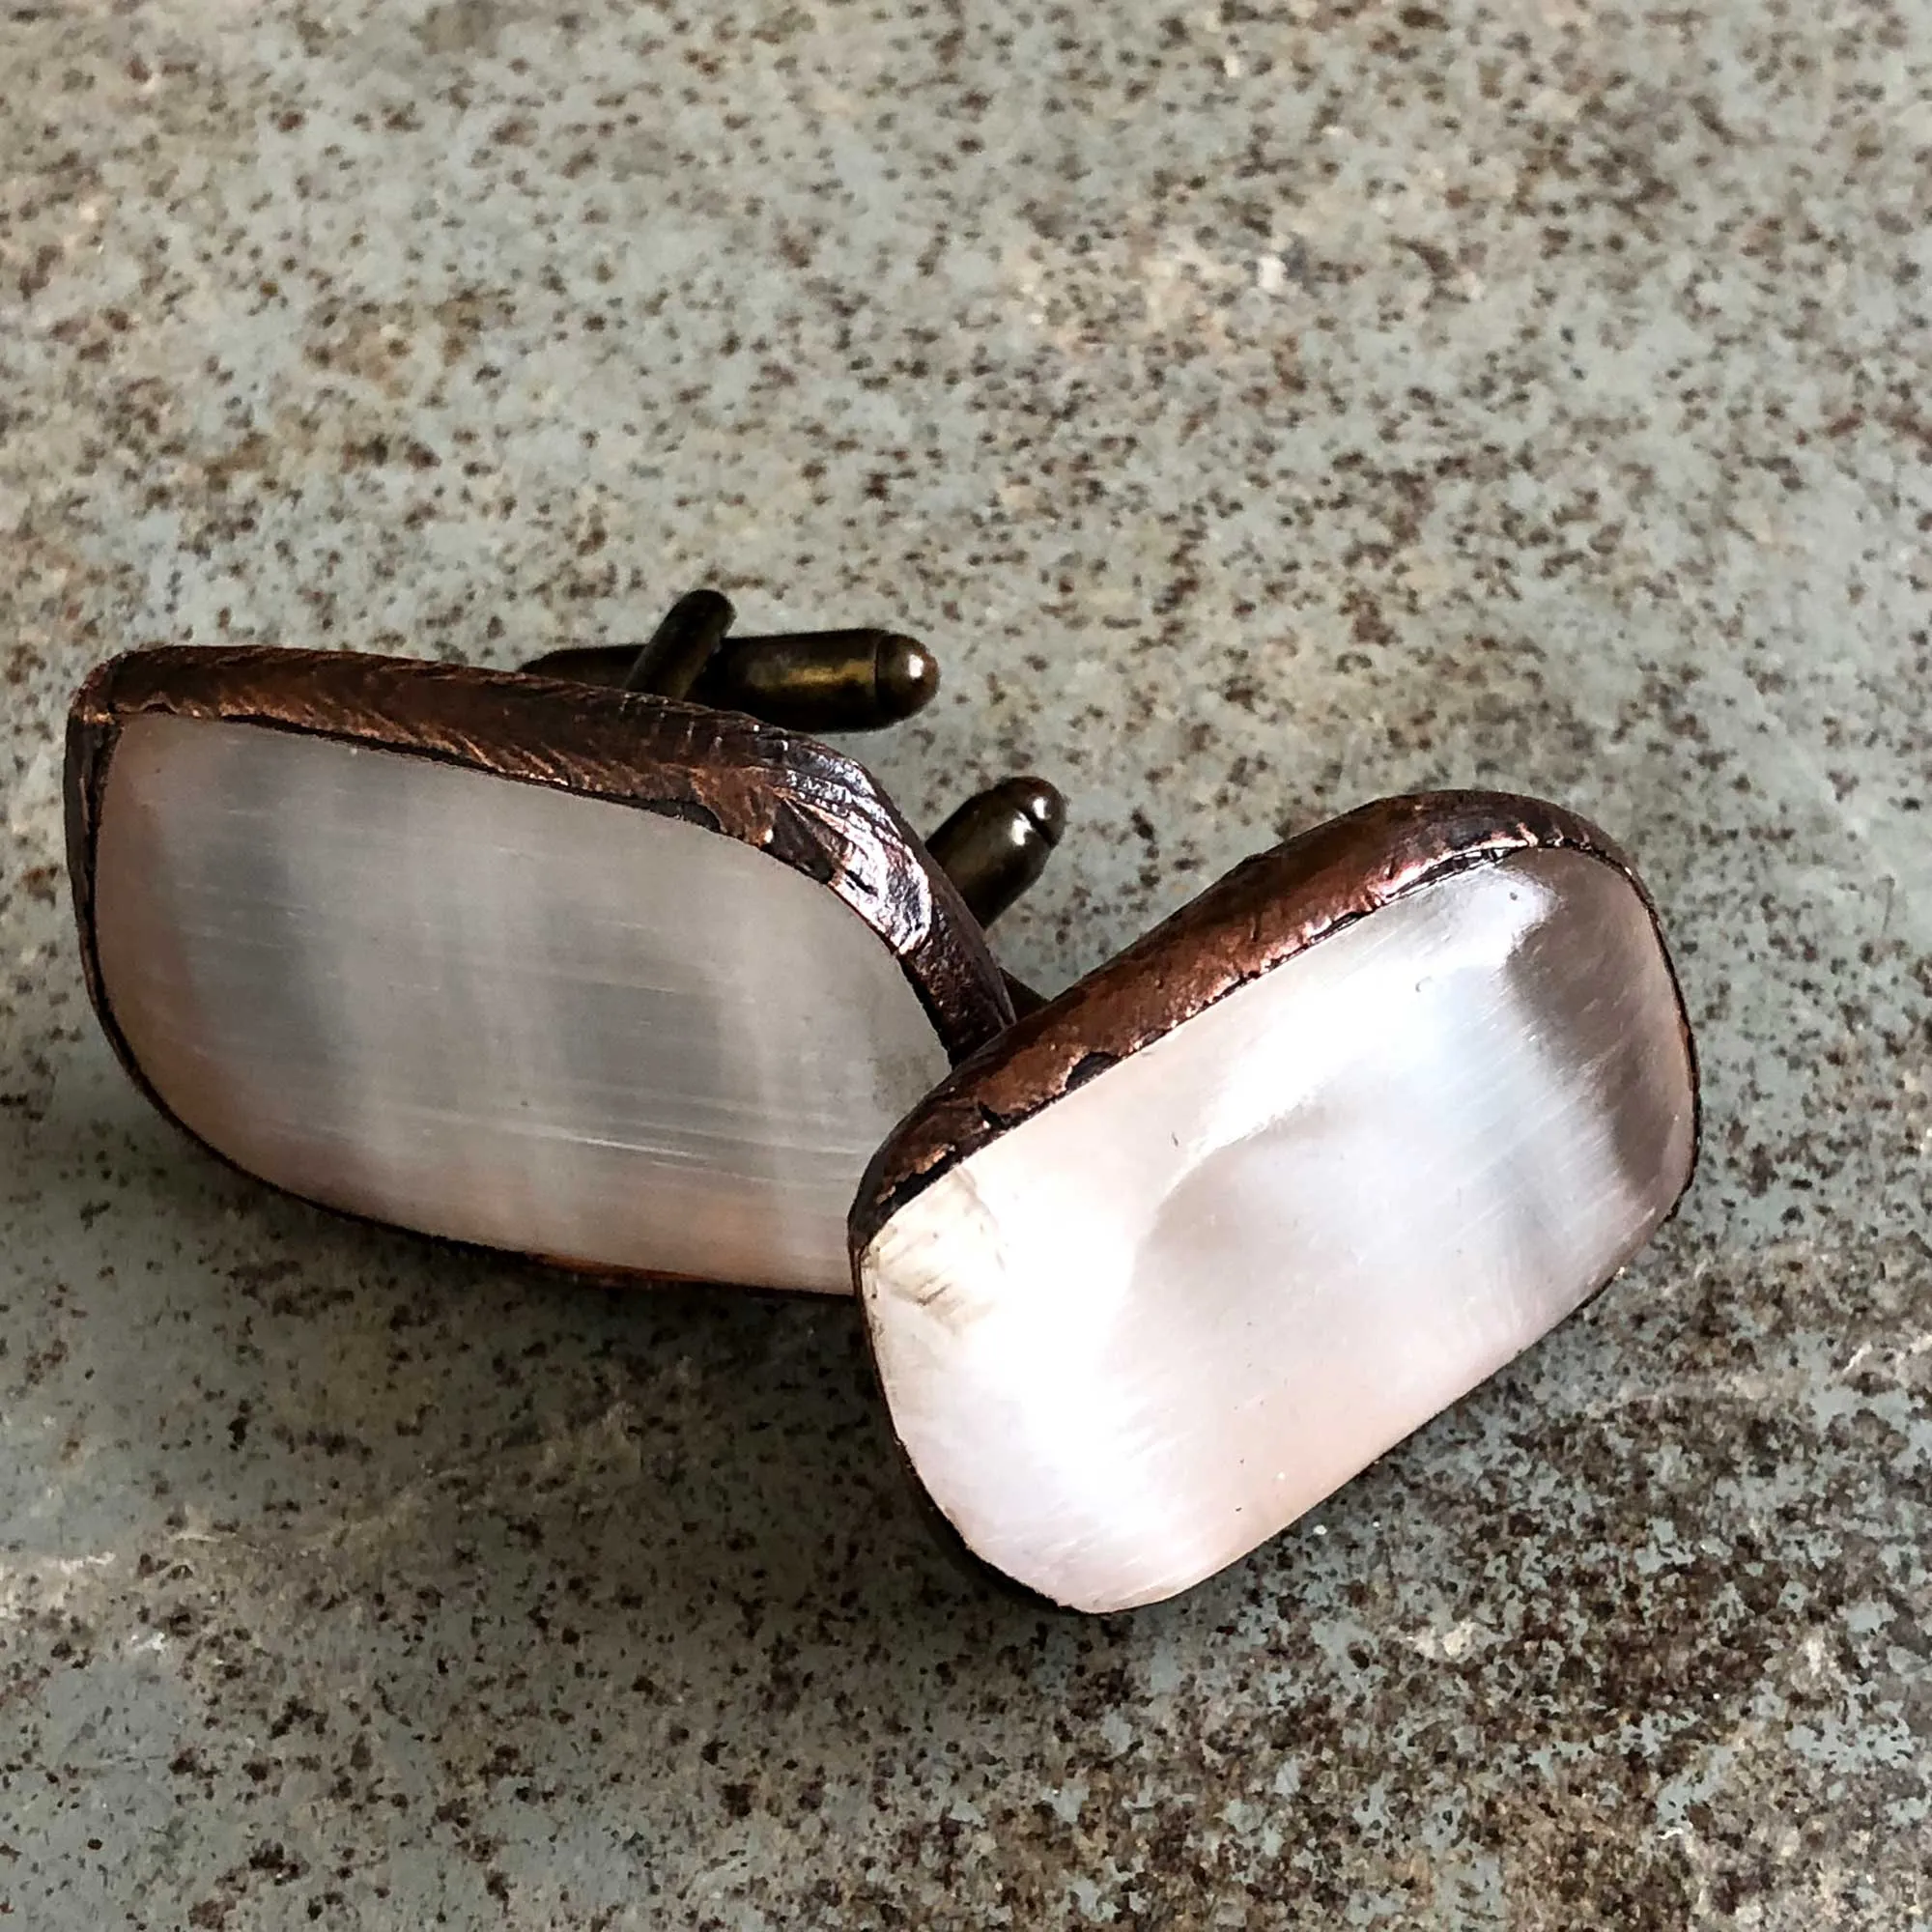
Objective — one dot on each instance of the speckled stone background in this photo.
(1260, 408)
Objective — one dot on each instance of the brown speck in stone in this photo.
(1366, 622)
(460, 26)
(33, 278)
(275, 1862)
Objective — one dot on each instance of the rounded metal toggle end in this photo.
(906, 677)
(998, 842)
(822, 680)
(1041, 805)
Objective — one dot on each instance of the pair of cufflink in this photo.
(609, 963)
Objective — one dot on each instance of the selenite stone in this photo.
(1139, 1333)
(496, 1012)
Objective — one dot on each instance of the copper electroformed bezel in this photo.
(805, 805)
(1261, 914)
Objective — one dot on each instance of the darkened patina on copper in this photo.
(1266, 911)
(804, 803)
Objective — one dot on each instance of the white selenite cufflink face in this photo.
(1198, 1242)
(504, 1012)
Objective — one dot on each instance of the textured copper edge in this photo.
(804, 803)
(1268, 909)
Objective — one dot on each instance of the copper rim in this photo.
(1266, 911)
(790, 796)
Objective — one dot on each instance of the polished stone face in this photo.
(496, 1012)
(1139, 1333)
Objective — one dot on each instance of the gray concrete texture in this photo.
(1260, 408)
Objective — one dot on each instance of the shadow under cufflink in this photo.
(1195, 1242)
(618, 981)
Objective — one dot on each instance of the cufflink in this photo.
(1166, 1263)
(595, 973)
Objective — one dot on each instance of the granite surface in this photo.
(1258, 409)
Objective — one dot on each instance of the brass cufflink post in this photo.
(998, 844)
(992, 848)
(857, 680)
(681, 648)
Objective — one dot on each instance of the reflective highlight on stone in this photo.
(496, 1012)
(1144, 1330)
